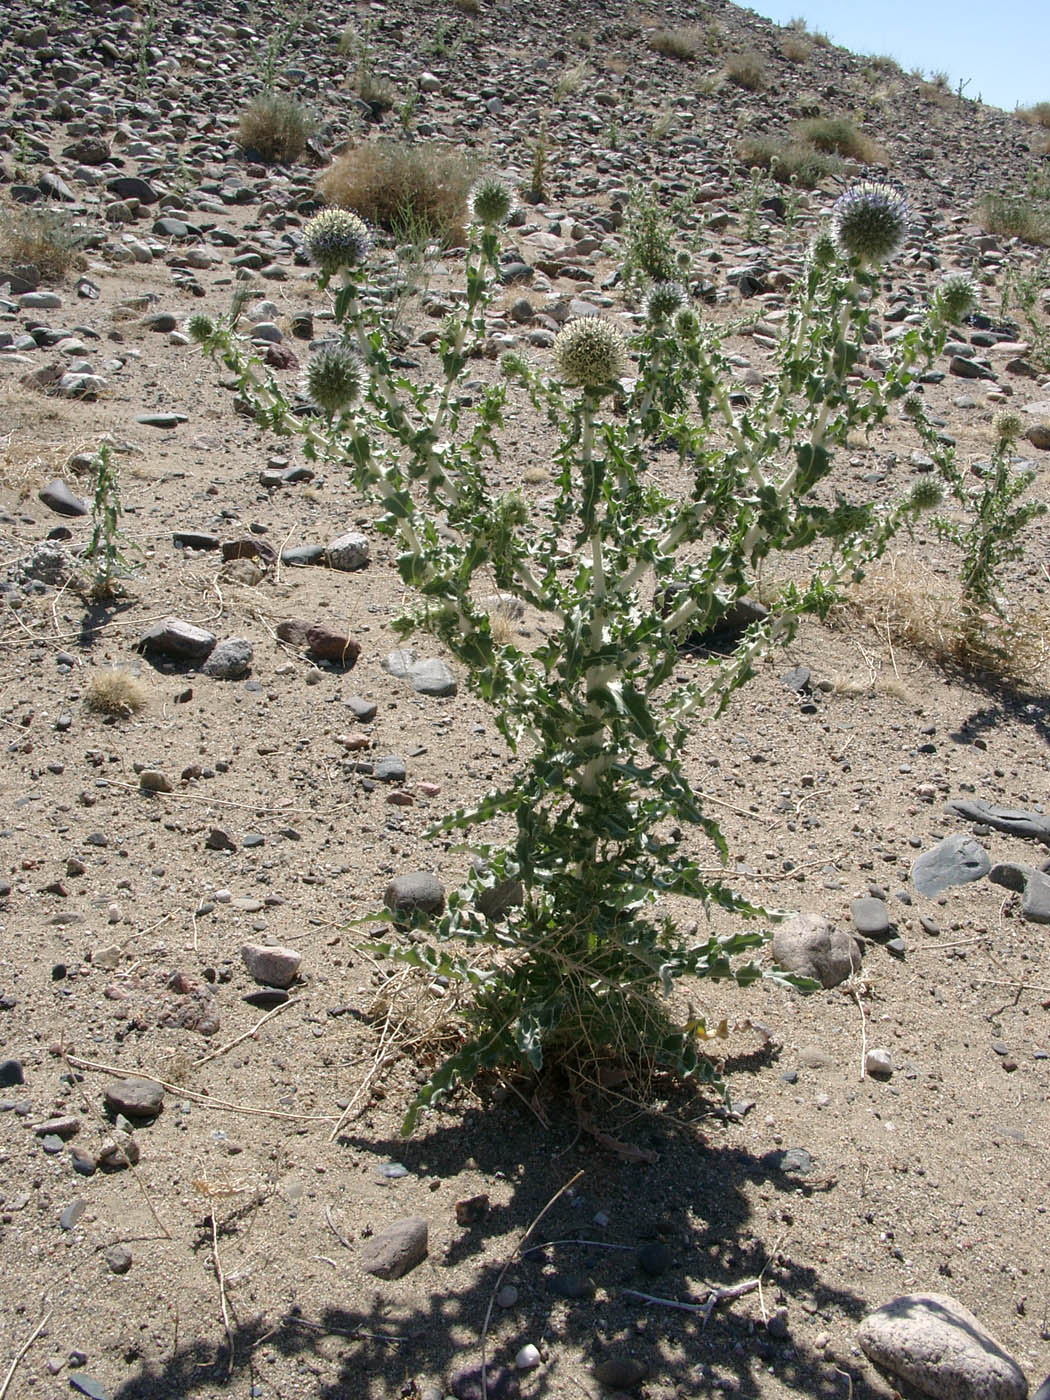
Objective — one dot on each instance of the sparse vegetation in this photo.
(747, 70)
(392, 185)
(685, 42)
(274, 128)
(839, 136)
(788, 161)
(1039, 115)
(45, 239)
(795, 49)
(105, 548)
(115, 692)
(1025, 215)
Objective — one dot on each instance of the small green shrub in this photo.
(789, 162)
(839, 136)
(1016, 216)
(275, 128)
(392, 184)
(747, 70)
(44, 239)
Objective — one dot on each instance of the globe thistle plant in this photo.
(869, 222)
(334, 380)
(337, 239)
(491, 201)
(822, 251)
(955, 297)
(590, 353)
(200, 329)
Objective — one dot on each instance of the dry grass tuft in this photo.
(839, 136)
(787, 161)
(747, 70)
(396, 186)
(796, 49)
(274, 127)
(685, 42)
(115, 693)
(908, 605)
(1039, 115)
(43, 239)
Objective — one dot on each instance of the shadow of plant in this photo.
(693, 1207)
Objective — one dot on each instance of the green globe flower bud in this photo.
(687, 323)
(822, 249)
(663, 300)
(1008, 427)
(590, 353)
(913, 407)
(491, 202)
(869, 222)
(955, 297)
(334, 380)
(200, 328)
(337, 238)
(926, 494)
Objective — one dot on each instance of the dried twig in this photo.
(707, 1307)
(146, 1195)
(246, 1035)
(222, 1294)
(204, 1100)
(381, 1059)
(335, 1228)
(23, 1349)
(502, 1273)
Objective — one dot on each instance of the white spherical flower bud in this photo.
(333, 380)
(491, 201)
(337, 238)
(869, 222)
(590, 352)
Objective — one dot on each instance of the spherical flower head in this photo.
(926, 494)
(491, 201)
(590, 352)
(822, 249)
(1008, 427)
(337, 238)
(663, 300)
(956, 297)
(200, 329)
(687, 323)
(334, 380)
(869, 222)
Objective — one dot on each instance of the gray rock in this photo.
(433, 677)
(153, 780)
(957, 860)
(879, 1063)
(131, 187)
(72, 1213)
(362, 709)
(272, 966)
(811, 945)
(417, 893)
(1032, 885)
(390, 769)
(230, 660)
(11, 1074)
(118, 1258)
(118, 1151)
(348, 553)
(160, 420)
(968, 369)
(135, 1098)
(57, 496)
(933, 1343)
(1013, 820)
(870, 916)
(180, 640)
(397, 1249)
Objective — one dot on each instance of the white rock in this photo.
(272, 966)
(878, 1062)
(933, 1343)
(528, 1358)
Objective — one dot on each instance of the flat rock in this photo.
(1013, 820)
(870, 916)
(326, 644)
(417, 893)
(57, 496)
(393, 1252)
(183, 641)
(1032, 885)
(428, 676)
(135, 1098)
(272, 966)
(812, 946)
(933, 1343)
(348, 553)
(957, 860)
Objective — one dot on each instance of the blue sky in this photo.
(1002, 47)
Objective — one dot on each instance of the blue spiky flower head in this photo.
(333, 380)
(869, 222)
(663, 300)
(337, 238)
(490, 202)
(590, 352)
